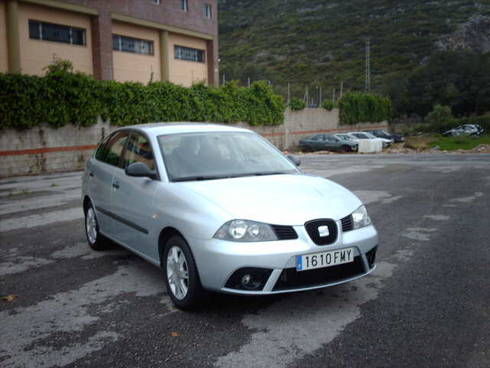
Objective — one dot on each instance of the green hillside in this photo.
(322, 42)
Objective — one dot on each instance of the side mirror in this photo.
(139, 169)
(294, 160)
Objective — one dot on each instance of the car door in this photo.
(318, 142)
(335, 144)
(101, 169)
(133, 199)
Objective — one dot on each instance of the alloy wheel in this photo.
(177, 272)
(91, 226)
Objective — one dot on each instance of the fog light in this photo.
(249, 278)
(246, 279)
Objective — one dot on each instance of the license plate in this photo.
(324, 259)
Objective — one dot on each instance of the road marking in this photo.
(437, 217)
(329, 172)
(418, 233)
(38, 184)
(21, 263)
(371, 196)
(13, 263)
(42, 219)
(468, 199)
(34, 203)
(304, 322)
(26, 333)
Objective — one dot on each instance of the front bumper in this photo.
(218, 260)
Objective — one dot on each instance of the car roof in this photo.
(156, 129)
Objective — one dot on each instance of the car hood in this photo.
(277, 199)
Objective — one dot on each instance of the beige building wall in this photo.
(37, 54)
(3, 40)
(185, 72)
(136, 67)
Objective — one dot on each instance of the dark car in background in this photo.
(397, 138)
(328, 142)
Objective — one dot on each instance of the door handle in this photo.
(115, 185)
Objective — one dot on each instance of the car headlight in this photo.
(360, 218)
(245, 231)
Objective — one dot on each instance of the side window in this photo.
(111, 151)
(138, 149)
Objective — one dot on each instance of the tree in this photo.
(458, 79)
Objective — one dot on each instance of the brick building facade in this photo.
(125, 40)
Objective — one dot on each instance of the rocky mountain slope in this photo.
(322, 42)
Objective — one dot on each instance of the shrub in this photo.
(63, 97)
(297, 104)
(328, 105)
(439, 116)
(358, 107)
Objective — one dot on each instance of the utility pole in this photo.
(368, 65)
(248, 82)
(224, 79)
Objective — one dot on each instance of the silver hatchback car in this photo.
(220, 208)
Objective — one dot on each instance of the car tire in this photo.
(95, 239)
(346, 148)
(180, 274)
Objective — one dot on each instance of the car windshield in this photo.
(344, 137)
(217, 155)
(360, 135)
(382, 133)
(369, 135)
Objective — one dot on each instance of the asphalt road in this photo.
(426, 305)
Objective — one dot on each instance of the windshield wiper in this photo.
(199, 178)
(271, 173)
(215, 177)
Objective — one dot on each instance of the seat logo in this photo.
(323, 231)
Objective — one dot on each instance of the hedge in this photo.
(358, 107)
(328, 105)
(297, 104)
(62, 97)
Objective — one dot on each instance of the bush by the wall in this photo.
(440, 116)
(297, 104)
(328, 105)
(62, 97)
(357, 107)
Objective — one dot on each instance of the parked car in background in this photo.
(364, 135)
(465, 129)
(328, 142)
(220, 208)
(397, 138)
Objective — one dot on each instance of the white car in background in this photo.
(357, 136)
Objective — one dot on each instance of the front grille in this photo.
(347, 223)
(313, 229)
(292, 279)
(284, 232)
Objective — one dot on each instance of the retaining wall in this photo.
(44, 149)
